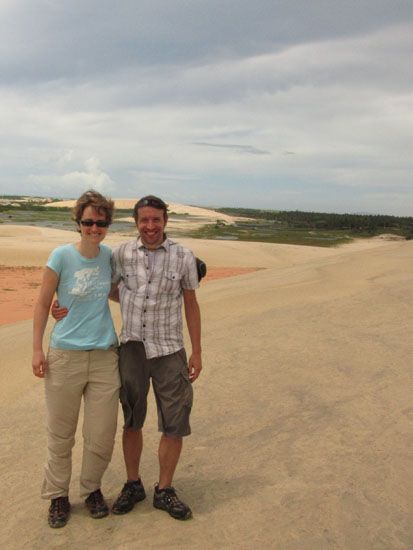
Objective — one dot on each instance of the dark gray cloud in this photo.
(45, 40)
(249, 149)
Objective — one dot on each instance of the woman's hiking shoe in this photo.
(96, 505)
(59, 512)
(167, 499)
(132, 492)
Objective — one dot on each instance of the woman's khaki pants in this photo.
(71, 375)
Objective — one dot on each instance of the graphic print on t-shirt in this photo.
(87, 284)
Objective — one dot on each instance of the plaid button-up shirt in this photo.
(150, 292)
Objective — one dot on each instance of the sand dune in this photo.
(303, 415)
(175, 207)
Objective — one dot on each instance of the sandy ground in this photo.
(19, 288)
(302, 424)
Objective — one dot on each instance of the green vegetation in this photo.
(303, 228)
(289, 227)
(356, 224)
(265, 232)
(32, 213)
(53, 217)
(11, 197)
(20, 199)
(32, 206)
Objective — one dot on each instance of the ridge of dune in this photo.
(175, 207)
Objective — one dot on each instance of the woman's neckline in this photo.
(87, 257)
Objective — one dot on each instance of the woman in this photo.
(82, 360)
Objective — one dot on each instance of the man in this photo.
(154, 275)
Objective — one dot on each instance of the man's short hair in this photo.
(154, 202)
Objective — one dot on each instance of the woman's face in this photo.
(90, 232)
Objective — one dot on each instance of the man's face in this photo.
(151, 224)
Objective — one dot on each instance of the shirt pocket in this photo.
(130, 278)
(171, 281)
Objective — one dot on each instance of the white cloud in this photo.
(75, 182)
(215, 124)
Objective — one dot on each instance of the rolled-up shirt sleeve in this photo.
(189, 279)
(116, 266)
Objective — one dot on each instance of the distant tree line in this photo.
(354, 223)
(32, 206)
(33, 200)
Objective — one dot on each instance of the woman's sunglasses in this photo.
(98, 223)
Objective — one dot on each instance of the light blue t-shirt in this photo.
(84, 285)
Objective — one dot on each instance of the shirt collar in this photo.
(165, 245)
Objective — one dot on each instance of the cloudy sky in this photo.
(282, 104)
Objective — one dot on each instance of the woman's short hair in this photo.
(92, 198)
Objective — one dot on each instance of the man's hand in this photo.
(58, 313)
(194, 366)
(39, 364)
(193, 321)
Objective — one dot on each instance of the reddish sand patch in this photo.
(222, 272)
(19, 288)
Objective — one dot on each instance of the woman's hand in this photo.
(39, 364)
(41, 314)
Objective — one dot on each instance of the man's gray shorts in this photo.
(170, 382)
